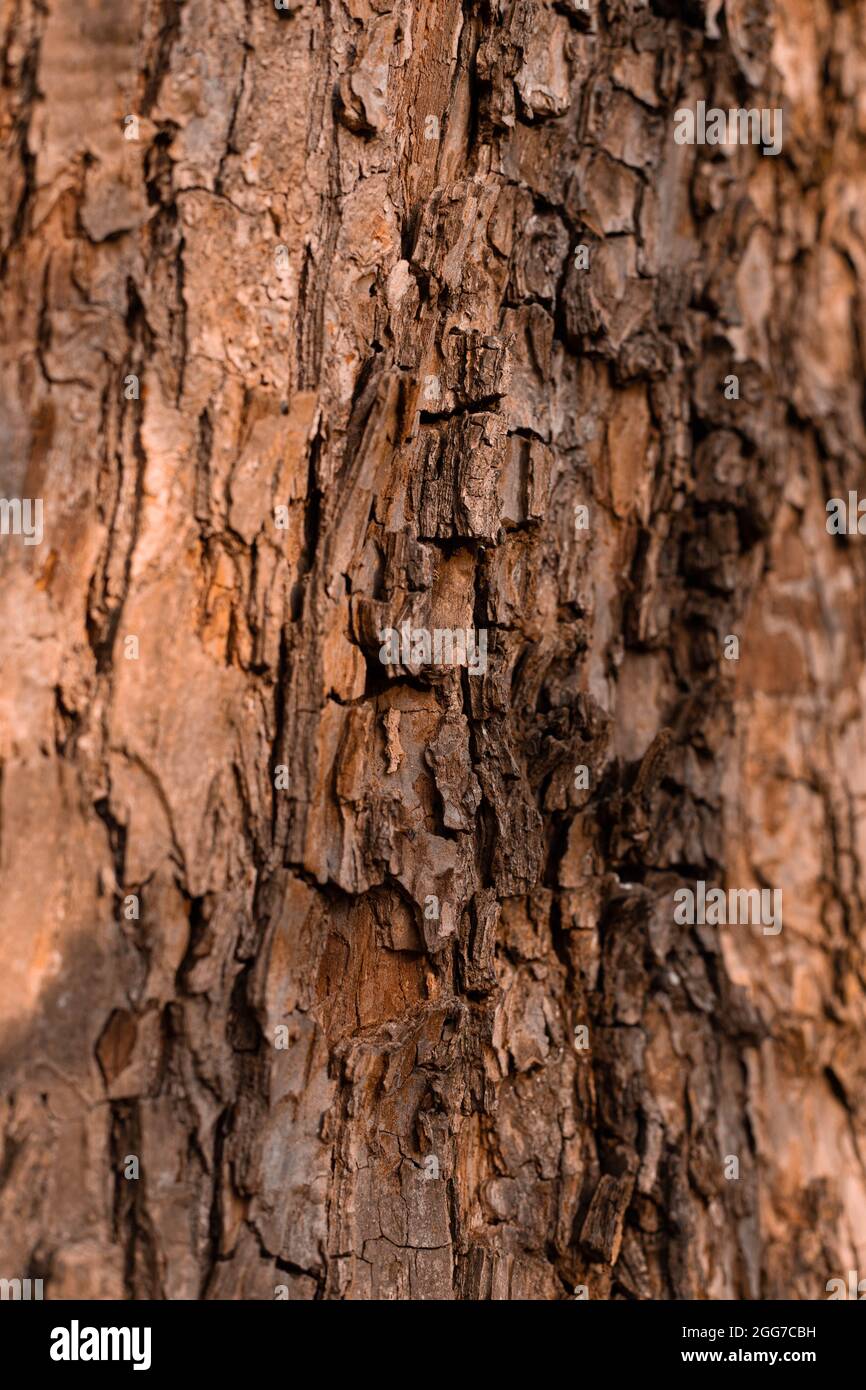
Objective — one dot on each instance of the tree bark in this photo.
(328, 976)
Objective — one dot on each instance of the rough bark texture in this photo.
(377, 321)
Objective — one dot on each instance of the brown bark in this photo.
(375, 386)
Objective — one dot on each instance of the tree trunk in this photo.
(339, 968)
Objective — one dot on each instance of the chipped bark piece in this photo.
(477, 369)
(454, 487)
(478, 943)
(602, 1228)
(448, 756)
(543, 77)
(393, 748)
(632, 1269)
(364, 90)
